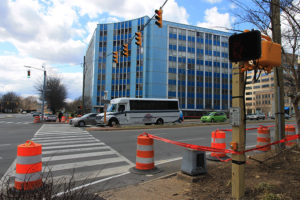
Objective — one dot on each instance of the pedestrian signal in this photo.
(245, 46)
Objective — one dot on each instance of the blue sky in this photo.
(55, 33)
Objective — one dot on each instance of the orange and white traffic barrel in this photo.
(218, 141)
(36, 119)
(29, 166)
(144, 153)
(290, 130)
(263, 138)
(63, 119)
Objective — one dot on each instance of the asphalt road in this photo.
(15, 129)
(105, 155)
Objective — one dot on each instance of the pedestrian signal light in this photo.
(158, 18)
(125, 50)
(28, 74)
(115, 56)
(138, 37)
(245, 46)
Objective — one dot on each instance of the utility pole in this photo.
(83, 86)
(238, 132)
(278, 76)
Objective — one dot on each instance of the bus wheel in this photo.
(113, 123)
(160, 122)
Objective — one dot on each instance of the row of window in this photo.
(199, 40)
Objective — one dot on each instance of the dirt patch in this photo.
(268, 176)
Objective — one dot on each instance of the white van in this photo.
(122, 111)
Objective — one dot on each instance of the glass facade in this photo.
(176, 61)
(199, 72)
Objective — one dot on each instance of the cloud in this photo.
(130, 9)
(42, 32)
(213, 1)
(216, 20)
(57, 32)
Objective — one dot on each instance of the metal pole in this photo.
(44, 90)
(83, 86)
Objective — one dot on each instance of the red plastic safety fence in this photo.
(205, 148)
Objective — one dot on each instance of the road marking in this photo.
(79, 155)
(44, 141)
(73, 150)
(68, 142)
(64, 137)
(88, 163)
(78, 145)
(62, 134)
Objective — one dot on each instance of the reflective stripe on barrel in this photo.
(29, 166)
(144, 153)
(290, 130)
(218, 141)
(263, 138)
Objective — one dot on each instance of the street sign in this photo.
(235, 116)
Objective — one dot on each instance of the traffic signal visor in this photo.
(245, 46)
(138, 37)
(158, 18)
(115, 56)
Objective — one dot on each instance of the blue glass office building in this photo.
(176, 61)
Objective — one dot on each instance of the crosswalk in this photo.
(73, 153)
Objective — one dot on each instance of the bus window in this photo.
(112, 108)
(121, 108)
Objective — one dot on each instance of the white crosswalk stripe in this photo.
(67, 150)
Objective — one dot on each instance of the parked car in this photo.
(214, 117)
(256, 116)
(87, 119)
(36, 114)
(50, 118)
(286, 116)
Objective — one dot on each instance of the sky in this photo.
(55, 34)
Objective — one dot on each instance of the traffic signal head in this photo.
(138, 37)
(28, 74)
(245, 46)
(125, 50)
(158, 18)
(115, 56)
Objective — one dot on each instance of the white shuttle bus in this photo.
(123, 111)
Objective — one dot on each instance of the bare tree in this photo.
(73, 106)
(259, 15)
(10, 102)
(55, 93)
(29, 103)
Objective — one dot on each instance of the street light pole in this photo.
(44, 87)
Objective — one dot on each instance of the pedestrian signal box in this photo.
(245, 46)
(271, 54)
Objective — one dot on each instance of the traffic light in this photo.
(245, 46)
(138, 37)
(158, 18)
(28, 74)
(125, 50)
(115, 56)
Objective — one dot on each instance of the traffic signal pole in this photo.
(238, 133)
